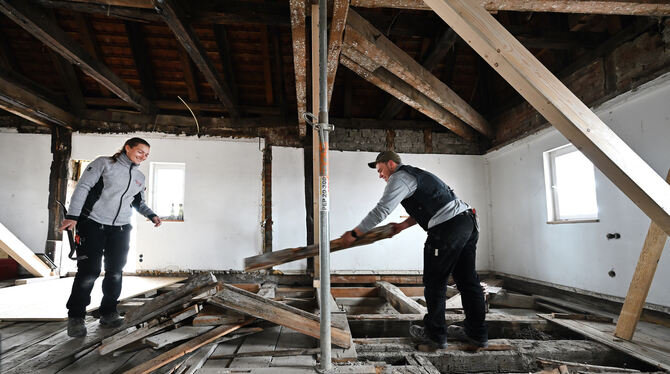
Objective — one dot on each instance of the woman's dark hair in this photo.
(132, 142)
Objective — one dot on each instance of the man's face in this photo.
(385, 169)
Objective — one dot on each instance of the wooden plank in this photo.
(38, 24)
(159, 341)
(603, 333)
(29, 337)
(185, 34)
(271, 259)
(453, 303)
(364, 37)
(185, 348)
(404, 92)
(642, 279)
(512, 300)
(630, 7)
(559, 106)
(15, 248)
(399, 300)
(273, 311)
(19, 100)
(212, 316)
(298, 34)
(337, 23)
(263, 341)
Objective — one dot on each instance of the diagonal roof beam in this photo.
(365, 38)
(337, 23)
(185, 34)
(382, 78)
(632, 175)
(23, 102)
(435, 56)
(630, 7)
(37, 23)
(299, 35)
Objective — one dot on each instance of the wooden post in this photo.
(61, 148)
(641, 282)
(267, 197)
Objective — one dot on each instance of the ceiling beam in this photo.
(631, 7)
(337, 23)
(37, 23)
(221, 37)
(436, 55)
(70, 82)
(190, 78)
(559, 106)
(280, 86)
(267, 68)
(90, 44)
(365, 38)
(139, 49)
(382, 78)
(299, 36)
(185, 34)
(19, 100)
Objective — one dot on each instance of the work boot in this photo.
(76, 327)
(420, 336)
(111, 320)
(458, 333)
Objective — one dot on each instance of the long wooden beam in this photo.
(138, 48)
(246, 302)
(17, 99)
(637, 8)
(641, 282)
(337, 23)
(15, 248)
(372, 43)
(37, 23)
(398, 299)
(395, 86)
(185, 34)
(299, 36)
(559, 106)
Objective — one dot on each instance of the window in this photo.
(570, 186)
(167, 190)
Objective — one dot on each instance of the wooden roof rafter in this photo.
(299, 37)
(174, 17)
(37, 23)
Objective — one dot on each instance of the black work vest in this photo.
(430, 196)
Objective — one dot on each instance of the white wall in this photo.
(579, 255)
(222, 207)
(24, 186)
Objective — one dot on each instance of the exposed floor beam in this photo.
(185, 34)
(637, 8)
(395, 86)
(37, 23)
(337, 23)
(559, 106)
(17, 99)
(360, 35)
(299, 36)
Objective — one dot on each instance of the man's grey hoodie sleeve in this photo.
(140, 205)
(88, 179)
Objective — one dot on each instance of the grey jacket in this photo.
(107, 191)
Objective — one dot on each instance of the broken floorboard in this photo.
(643, 347)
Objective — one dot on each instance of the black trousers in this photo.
(450, 249)
(98, 241)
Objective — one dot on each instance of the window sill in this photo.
(573, 221)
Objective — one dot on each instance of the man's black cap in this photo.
(384, 157)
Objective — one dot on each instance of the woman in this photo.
(100, 208)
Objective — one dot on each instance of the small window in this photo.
(570, 186)
(167, 190)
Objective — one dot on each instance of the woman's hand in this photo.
(157, 221)
(68, 224)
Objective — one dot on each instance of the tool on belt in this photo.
(74, 239)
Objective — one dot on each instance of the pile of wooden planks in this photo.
(183, 326)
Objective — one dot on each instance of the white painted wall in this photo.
(24, 186)
(222, 207)
(579, 255)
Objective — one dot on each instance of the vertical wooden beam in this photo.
(267, 69)
(428, 140)
(390, 140)
(267, 197)
(221, 36)
(189, 75)
(641, 282)
(337, 23)
(315, 134)
(559, 106)
(61, 148)
(298, 33)
(138, 48)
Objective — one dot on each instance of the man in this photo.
(449, 249)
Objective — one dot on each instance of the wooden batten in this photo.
(559, 106)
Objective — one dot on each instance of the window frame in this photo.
(550, 180)
(153, 167)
